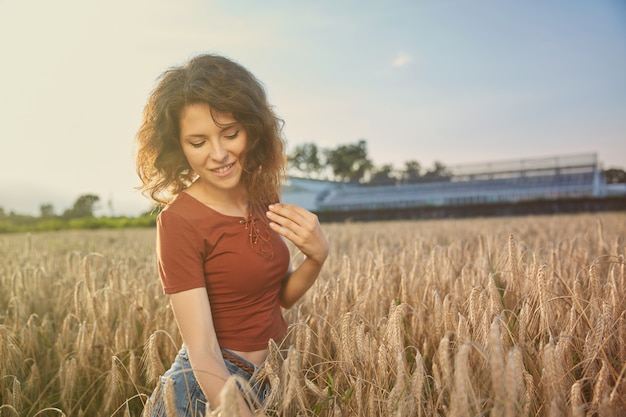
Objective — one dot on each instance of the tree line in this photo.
(346, 163)
(351, 163)
(83, 207)
(79, 216)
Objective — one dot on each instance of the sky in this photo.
(454, 81)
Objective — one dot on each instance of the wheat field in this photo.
(519, 316)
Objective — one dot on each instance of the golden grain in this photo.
(151, 359)
(114, 385)
(417, 383)
(542, 293)
(169, 398)
(513, 261)
(497, 367)
(445, 361)
(577, 400)
(531, 310)
(68, 374)
(530, 393)
(601, 386)
(460, 405)
(495, 305)
(292, 381)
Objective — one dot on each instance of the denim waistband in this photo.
(189, 398)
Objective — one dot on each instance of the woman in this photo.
(210, 147)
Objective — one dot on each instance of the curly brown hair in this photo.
(226, 87)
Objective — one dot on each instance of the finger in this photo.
(287, 227)
(305, 233)
(302, 235)
(289, 211)
(286, 232)
(292, 218)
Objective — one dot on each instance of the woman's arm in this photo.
(302, 228)
(195, 323)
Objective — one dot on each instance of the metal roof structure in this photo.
(494, 182)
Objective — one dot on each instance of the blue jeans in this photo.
(189, 399)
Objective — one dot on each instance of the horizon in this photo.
(109, 205)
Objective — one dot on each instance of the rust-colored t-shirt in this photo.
(241, 262)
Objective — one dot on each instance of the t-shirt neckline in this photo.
(219, 213)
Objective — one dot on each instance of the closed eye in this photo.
(233, 136)
(197, 144)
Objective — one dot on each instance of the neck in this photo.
(232, 202)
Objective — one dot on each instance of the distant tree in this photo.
(46, 211)
(412, 172)
(306, 159)
(154, 211)
(385, 175)
(614, 176)
(438, 172)
(83, 207)
(349, 162)
(110, 207)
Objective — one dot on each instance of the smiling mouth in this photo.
(223, 169)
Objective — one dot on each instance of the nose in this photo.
(218, 152)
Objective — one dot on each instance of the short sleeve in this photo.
(179, 254)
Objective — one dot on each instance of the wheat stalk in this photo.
(68, 376)
(33, 380)
(495, 305)
(293, 381)
(169, 398)
(445, 361)
(398, 403)
(529, 393)
(417, 383)
(9, 351)
(114, 384)
(346, 351)
(577, 399)
(552, 378)
(474, 310)
(542, 292)
(15, 397)
(462, 328)
(514, 384)
(513, 261)
(497, 367)
(601, 387)
(460, 405)
(271, 369)
(154, 367)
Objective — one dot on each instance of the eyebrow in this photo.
(203, 136)
(227, 126)
(194, 136)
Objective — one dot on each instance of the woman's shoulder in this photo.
(185, 209)
(183, 204)
(180, 209)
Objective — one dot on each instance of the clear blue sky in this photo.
(427, 80)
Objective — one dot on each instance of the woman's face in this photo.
(213, 144)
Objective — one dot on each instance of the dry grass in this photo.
(511, 317)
